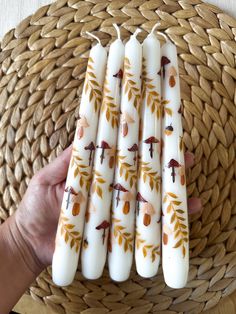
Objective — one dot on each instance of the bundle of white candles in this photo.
(129, 136)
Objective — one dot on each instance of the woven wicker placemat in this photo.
(43, 64)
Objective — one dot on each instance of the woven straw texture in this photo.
(43, 64)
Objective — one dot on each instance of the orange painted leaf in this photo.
(120, 240)
(176, 202)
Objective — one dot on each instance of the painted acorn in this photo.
(169, 130)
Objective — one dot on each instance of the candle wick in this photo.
(117, 30)
(164, 35)
(95, 37)
(155, 26)
(138, 30)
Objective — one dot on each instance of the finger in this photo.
(189, 159)
(56, 171)
(194, 205)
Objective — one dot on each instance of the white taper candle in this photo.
(71, 222)
(148, 231)
(124, 187)
(175, 230)
(94, 250)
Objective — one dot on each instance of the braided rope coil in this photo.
(42, 68)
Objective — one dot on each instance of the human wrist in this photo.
(20, 248)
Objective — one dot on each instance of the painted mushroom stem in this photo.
(103, 226)
(126, 119)
(134, 149)
(151, 140)
(173, 164)
(91, 148)
(119, 189)
(172, 74)
(78, 200)
(139, 199)
(70, 192)
(104, 146)
(127, 197)
(82, 123)
(148, 211)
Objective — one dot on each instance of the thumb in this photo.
(56, 171)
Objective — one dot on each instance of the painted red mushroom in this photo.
(119, 189)
(151, 140)
(91, 148)
(134, 149)
(119, 74)
(173, 164)
(70, 192)
(139, 199)
(164, 62)
(103, 226)
(104, 146)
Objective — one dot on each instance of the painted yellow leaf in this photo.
(168, 111)
(178, 244)
(99, 191)
(120, 240)
(176, 202)
(183, 250)
(76, 172)
(144, 252)
(126, 246)
(172, 194)
(66, 237)
(72, 242)
(69, 226)
(168, 208)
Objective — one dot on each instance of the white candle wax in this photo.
(175, 230)
(147, 240)
(124, 187)
(71, 222)
(96, 230)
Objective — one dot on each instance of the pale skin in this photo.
(27, 238)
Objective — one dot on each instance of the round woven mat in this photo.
(43, 64)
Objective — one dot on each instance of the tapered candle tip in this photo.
(164, 35)
(95, 37)
(155, 27)
(138, 30)
(117, 30)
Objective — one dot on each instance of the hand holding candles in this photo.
(147, 240)
(71, 222)
(175, 232)
(124, 194)
(96, 230)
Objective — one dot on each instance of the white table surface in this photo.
(11, 13)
